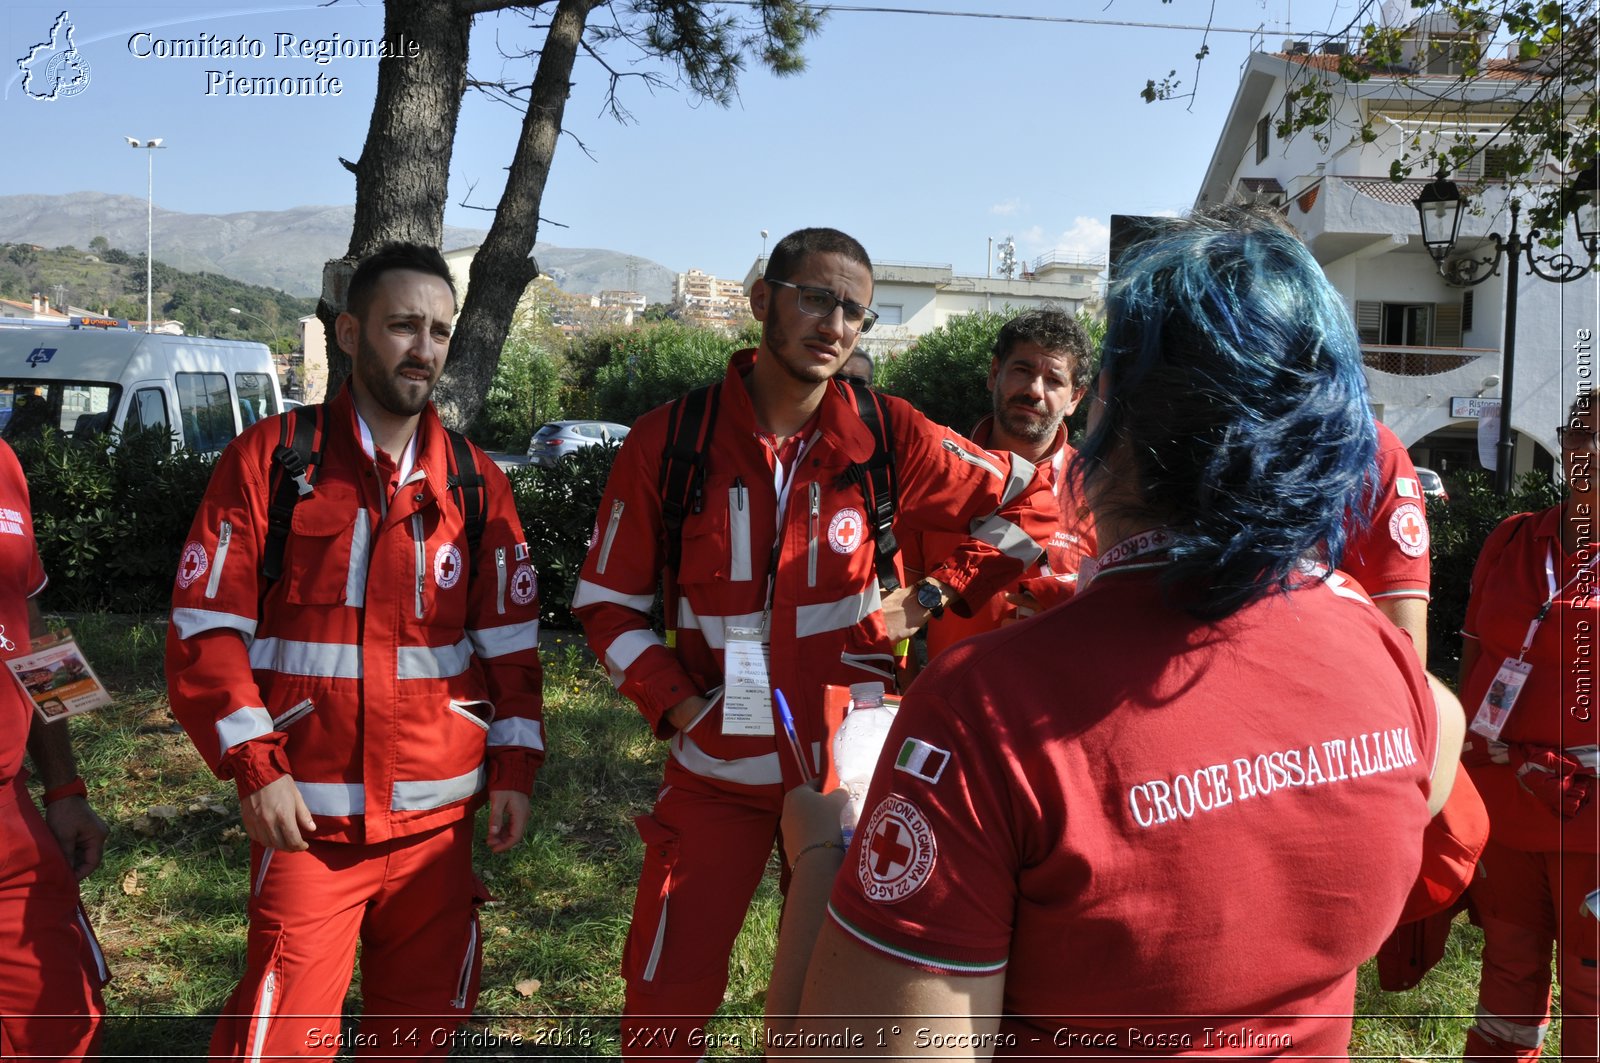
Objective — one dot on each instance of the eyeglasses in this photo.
(819, 302)
(1578, 438)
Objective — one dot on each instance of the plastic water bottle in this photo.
(856, 747)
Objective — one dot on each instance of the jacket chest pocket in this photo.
(717, 542)
(326, 556)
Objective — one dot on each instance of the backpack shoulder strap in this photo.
(683, 463)
(469, 487)
(294, 466)
(876, 478)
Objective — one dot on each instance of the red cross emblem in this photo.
(1409, 529)
(193, 565)
(898, 851)
(447, 567)
(524, 584)
(844, 530)
(889, 853)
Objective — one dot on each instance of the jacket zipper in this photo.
(224, 537)
(739, 531)
(422, 559)
(500, 578)
(465, 981)
(610, 536)
(815, 528)
(269, 989)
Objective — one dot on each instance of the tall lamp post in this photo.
(149, 147)
(245, 313)
(1439, 210)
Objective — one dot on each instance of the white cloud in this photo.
(1166, 213)
(1008, 208)
(1088, 238)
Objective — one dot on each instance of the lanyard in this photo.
(1550, 580)
(1126, 553)
(782, 481)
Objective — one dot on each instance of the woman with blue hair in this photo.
(1176, 813)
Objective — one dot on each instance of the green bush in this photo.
(646, 367)
(1457, 531)
(558, 507)
(111, 523)
(524, 394)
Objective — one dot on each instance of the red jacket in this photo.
(377, 671)
(826, 625)
(1053, 578)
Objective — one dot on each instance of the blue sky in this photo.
(924, 136)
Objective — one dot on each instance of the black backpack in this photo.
(294, 467)
(683, 471)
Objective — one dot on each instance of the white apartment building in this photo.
(1430, 346)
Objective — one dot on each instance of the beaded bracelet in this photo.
(831, 843)
(74, 788)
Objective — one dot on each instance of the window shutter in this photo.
(1447, 325)
(1369, 321)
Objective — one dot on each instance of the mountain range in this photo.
(284, 249)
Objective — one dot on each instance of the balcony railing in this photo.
(1419, 361)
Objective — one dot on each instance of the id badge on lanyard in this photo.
(1501, 697)
(747, 697)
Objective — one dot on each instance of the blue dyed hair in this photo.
(1234, 378)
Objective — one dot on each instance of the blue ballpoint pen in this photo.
(794, 739)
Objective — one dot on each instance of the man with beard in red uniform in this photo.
(776, 589)
(1038, 375)
(369, 700)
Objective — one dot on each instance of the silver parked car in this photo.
(562, 439)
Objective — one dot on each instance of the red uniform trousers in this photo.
(411, 901)
(1527, 902)
(705, 849)
(51, 969)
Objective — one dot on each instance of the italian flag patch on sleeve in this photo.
(920, 759)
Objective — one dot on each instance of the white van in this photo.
(89, 378)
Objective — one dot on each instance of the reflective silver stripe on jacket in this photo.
(627, 648)
(838, 615)
(516, 731)
(241, 725)
(333, 798)
(329, 660)
(749, 771)
(713, 628)
(1006, 537)
(879, 664)
(436, 793)
(191, 622)
(490, 642)
(433, 662)
(1516, 1033)
(588, 593)
(355, 579)
(350, 798)
(1022, 473)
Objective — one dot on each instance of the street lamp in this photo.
(245, 313)
(149, 147)
(1439, 210)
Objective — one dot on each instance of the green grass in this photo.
(169, 902)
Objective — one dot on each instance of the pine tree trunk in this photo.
(403, 175)
(502, 268)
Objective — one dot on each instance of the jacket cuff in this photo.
(657, 694)
(962, 583)
(252, 765)
(514, 769)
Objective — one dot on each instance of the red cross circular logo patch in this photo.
(1409, 529)
(447, 566)
(524, 584)
(897, 851)
(193, 565)
(846, 530)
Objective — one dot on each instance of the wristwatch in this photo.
(931, 598)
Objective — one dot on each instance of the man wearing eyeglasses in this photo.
(775, 591)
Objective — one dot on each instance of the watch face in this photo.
(928, 596)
